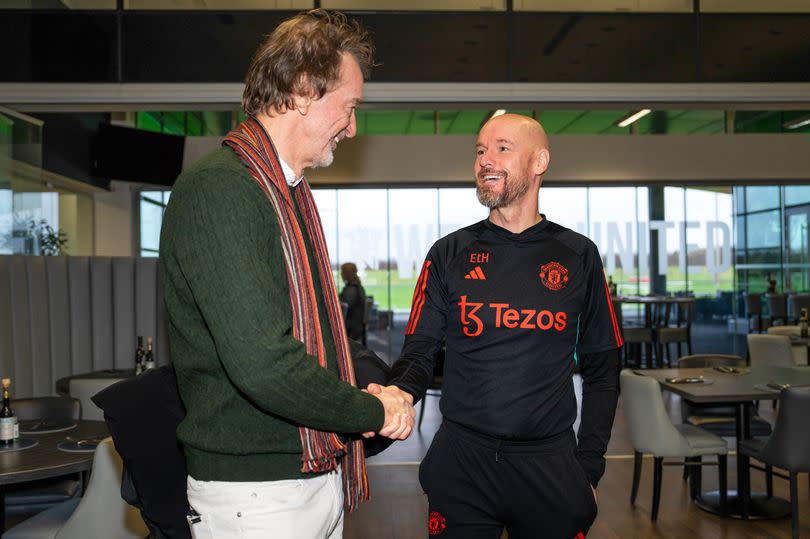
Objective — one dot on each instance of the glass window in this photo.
(761, 198)
(458, 207)
(739, 200)
(152, 206)
(764, 230)
(672, 244)
(709, 242)
(797, 194)
(613, 228)
(414, 227)
(362, 223)
(326, 200)
(567, 206)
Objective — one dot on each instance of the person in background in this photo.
(272, 434)
(354, 295)
(519, 302)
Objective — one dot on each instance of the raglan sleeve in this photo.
(598, 327)
(598, 360)
(425, 331)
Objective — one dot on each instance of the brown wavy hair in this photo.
(302, 57)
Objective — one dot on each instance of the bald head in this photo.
(526, 129)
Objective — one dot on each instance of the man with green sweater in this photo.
(272, 434)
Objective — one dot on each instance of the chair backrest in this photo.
(777, 305)
(651, 430)
(770, 350)
(710, 360)
(47, 408)
(789, 445)
(753, 304)
(84, 389)
(102, 512)
(797, 302)
(783, 330)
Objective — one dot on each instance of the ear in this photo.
(541, 162)
(302, 103)
(302, 96)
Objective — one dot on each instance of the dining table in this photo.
(37, 455)
(740, 387)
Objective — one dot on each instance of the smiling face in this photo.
(330, 119)
(511, 153)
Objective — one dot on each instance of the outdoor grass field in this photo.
(376, 283)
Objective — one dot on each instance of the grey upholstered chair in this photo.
(84, 389)
(788, 447)
(777, 307)
(33, 496)
(770, 350)
(652, 431)
(797, 302)
(753, 311)
(99, 513)
(798, 352)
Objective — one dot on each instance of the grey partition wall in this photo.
(66, 315)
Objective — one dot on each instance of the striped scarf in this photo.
(322, 451)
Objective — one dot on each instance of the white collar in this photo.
(289, 174)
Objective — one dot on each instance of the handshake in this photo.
(399, 411)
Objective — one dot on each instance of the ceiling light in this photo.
(632, 117)
(796, 123)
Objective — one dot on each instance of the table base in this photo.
(759, 508)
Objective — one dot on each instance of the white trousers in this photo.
(309, 508)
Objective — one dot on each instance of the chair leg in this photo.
(722, 471)
(794, 503)
(695, 477)
(637, 458)
(657, 472)
(769, 480)
(744, 484)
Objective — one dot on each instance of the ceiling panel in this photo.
(603, 48)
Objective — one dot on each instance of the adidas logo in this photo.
(476, 274)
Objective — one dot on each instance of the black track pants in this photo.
(477, 485)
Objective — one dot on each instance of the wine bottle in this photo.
(9, 428)
(139, 359)
(149, 363)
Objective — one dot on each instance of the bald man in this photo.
(519, 302)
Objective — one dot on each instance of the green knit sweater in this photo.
(246, 383)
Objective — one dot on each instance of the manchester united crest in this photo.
(554, 275)
(436, 523)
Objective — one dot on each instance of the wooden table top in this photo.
(45, 459)
(730, 388)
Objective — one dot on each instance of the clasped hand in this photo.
(399, 411)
